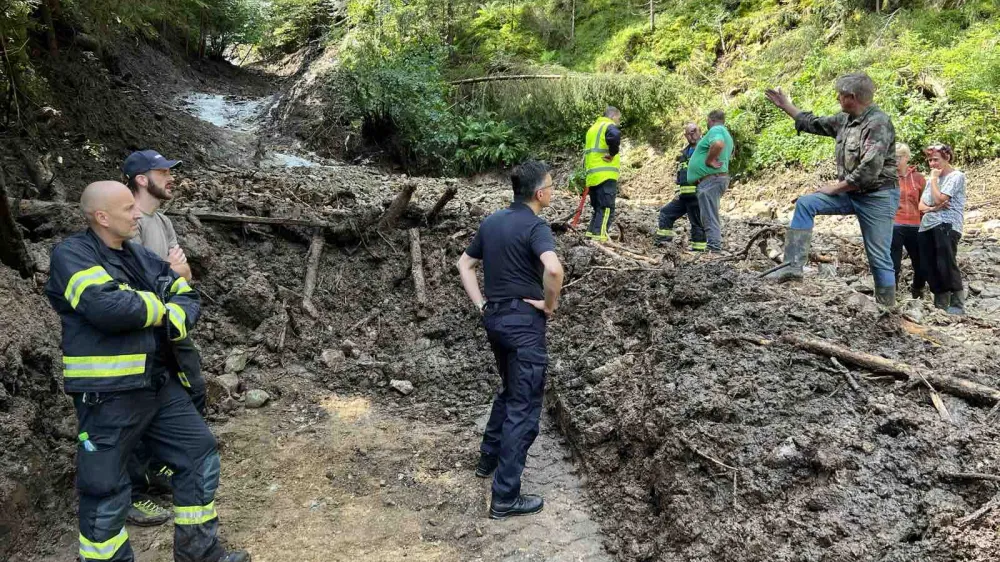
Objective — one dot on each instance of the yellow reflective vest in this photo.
(598, 169)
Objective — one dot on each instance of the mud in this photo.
(679, 438)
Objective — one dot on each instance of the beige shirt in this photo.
(156, 233)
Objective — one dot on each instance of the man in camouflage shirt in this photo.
(866, 183)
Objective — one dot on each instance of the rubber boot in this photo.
(235, 556)
(957, 303)
(797, 244)
(942, 300)
(886, 296)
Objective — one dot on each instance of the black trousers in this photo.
(938, 256)
(141, 460)
(602, 199)
(166, 420)
(906, 236)
(683, 204)
(516, 332)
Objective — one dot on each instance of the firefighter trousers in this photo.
(111, 425)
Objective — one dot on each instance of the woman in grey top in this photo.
(943, 208)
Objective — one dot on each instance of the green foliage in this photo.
(290, 24)
(934, 62)
(485, 143)
(17, 80)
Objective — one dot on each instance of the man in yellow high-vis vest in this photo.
(601, 159)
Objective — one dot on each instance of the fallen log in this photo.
(397, 207)
(952, 385)
(209, 216)
(315, 251)
(417, 270)
(447, 196)
(508, 77)
(13, 252)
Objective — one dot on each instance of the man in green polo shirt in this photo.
(709, 170)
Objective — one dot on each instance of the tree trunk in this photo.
(652, 15)
(50, 29)
(13, 252)
(572, 21)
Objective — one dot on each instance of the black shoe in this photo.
(160, 480)
(523, 505)
(487, 464)
(235, 556)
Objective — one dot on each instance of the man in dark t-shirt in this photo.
(523, 278)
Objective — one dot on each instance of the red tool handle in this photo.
(579, 208)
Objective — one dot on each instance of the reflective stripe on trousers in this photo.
(106, 550)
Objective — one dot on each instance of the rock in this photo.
(976, 287)
(252, 302)
(230, 382)
(988, 305)
(333, 359)
(763, 210)
(198, 251)
(256, 398)
(989, 292)
(580, 257)
(402, 387)
(914, 313)
(350, 349)
(237, 360)
(827, 270)
(861, 304)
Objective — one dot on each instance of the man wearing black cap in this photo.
(148, 175)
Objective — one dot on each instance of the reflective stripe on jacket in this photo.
(109, 337)
(598, 169)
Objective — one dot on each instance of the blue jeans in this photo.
(516, 332)
(875, 211)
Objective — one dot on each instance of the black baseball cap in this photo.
(145, 160)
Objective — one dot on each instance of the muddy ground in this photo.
(681, 427)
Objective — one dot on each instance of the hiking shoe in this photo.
(146, 513)
(160, 480)
(235, 556)
(522, 505)
(487, 464)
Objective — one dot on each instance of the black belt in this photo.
(510, 304)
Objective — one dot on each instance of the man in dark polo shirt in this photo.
(523, 278)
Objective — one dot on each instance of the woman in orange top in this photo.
(907, 223)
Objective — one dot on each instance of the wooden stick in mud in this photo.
(315, 251)
(952, 385)
(397, 207)
(448, 195)
(13, 252)
(970, 476)
(417, 270)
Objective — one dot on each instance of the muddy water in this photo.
(242, 115)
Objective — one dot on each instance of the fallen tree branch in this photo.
(364, 320)
(417, 270)
(847, 374)
(965, 521)
(447, 196)
(315, 251)
(508, 77)
(969, 476)
(952, 385)
(13, 252)
(248, 219)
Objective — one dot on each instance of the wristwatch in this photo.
(482, 306)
